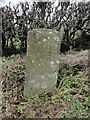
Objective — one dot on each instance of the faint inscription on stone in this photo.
(42, 61)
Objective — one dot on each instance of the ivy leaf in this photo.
(54, 97)
(73, 107)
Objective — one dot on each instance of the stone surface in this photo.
(42, 61)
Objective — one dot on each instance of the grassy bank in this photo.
(70, 99)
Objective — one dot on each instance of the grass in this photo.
(70, 97)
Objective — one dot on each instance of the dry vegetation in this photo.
(71, 99)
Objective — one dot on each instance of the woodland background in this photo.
(18, 20)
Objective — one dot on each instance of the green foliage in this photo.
(10, 57)
(15, 92)
(1, 102)
(68, 77)
(80, 106)
(29, 116)
(13, 56)
(15, 75)
(29, 100)
(72, 116)
(46, 98)
(87, 101)
(20, 109)
(35, 97)
(67, 98)
(77, 105)
(54, 97)
(1, 58)
(63, 104)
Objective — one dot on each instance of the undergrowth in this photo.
(72, 89)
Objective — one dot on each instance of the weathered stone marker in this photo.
(42, 61)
